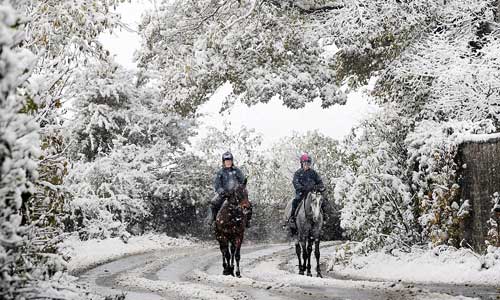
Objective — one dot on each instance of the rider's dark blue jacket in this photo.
(306, 180)
(227, 178)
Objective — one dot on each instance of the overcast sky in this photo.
(273, 120)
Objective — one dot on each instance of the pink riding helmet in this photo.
(305, 158)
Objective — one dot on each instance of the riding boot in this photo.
(215, 206)
(214, 213)
(291, 221)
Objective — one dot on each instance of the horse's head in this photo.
(313, 201)
(239, 195)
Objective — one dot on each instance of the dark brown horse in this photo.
(230, 227)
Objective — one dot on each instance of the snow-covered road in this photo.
(268, 271)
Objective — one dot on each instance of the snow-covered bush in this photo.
(180, 197)
(494, 221)
(109, 193)
(372, 190)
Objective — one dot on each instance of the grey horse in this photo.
(309, 222)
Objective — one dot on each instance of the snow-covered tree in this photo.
(373, 191)
(451, 71)
(126, 147)
(64, 34)
(19, 148)
(64, 37)
(263, 48)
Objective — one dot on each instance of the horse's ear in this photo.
(245, 181)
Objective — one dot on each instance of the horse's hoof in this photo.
(238, 274)
(319, 275)
(309, 274)
(301, 272)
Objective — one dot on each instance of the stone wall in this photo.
(479, 162)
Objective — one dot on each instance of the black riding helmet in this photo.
(227, 156)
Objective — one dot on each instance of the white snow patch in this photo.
(480, 138)
(86, 254)
(439, 265)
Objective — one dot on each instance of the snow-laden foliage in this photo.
(494, 222)
(64, 37)
(445, 71)
(64, 34)
(245, 145)
(131, 165)
(263, 48)
(102, 109)
(432, 150)
(109, 192)
(451, 72)
(19, 148)
(375, 199)
(299, 50)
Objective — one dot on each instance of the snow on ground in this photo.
(439, 265)
(86, 254)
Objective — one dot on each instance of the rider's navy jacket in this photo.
(227, 178)
(305, 180)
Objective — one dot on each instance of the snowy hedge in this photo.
(19, 148)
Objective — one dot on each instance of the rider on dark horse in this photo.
(225, 180)
(306, 180)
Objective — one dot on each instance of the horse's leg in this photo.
(233, 251)
(317, 254)
(238, 256)
(297, 250)
(225, 261)
(309, 252)
(303, 245)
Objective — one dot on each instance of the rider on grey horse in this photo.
(306, 180)
(225, 180)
